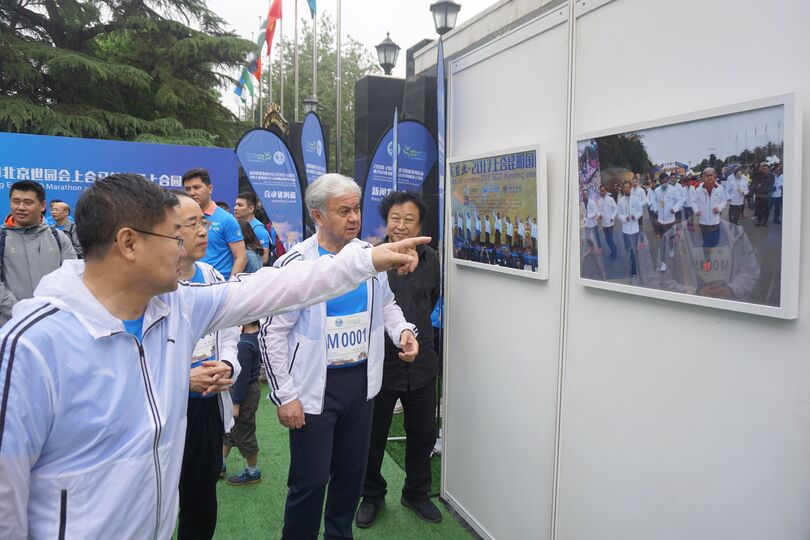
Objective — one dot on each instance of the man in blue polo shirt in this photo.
(226, 247)
(245, 208)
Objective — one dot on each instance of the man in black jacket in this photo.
(762, 185)
(414, 384)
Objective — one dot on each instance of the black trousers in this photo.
(762, 209)
(419, 407)
(332, 448)
(202, 459)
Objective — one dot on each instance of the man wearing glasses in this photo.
(94, 368)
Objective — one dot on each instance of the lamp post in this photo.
(310, 104)
(444, 15)
(387, 52)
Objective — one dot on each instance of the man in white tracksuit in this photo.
(669, 202)
(95, 371)
(736, 188)
(629, 210)
(709, 201)
(588, 214)
(605, 214)
(324, 366)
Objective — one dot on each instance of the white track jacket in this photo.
(92, 423)
(293, 344)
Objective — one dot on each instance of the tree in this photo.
(135, 70)
(356, 62)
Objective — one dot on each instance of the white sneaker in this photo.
(671, 253)
(663, 267)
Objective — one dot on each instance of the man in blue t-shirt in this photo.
(226, 247)
(245, 208)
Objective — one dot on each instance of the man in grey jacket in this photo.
(30, 248)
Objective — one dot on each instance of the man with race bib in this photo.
(324, 366)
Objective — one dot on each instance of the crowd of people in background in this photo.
(507, 241)
(695, 219)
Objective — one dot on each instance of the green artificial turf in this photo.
(255, 511)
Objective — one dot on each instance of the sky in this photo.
(367, 21)
(723, 136)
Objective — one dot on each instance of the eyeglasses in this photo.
(177, 239)
(203, 224)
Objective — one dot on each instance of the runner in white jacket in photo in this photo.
(95, 367)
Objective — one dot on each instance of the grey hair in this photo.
(704, 171)
(329, 185)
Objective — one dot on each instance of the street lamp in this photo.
(310, 104)
(444, 15)
(387, 52)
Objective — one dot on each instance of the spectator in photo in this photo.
(60, 211)
(226, 247)
(208, 413)
(325, 365)
(477, 227)
(510, 229)
(29, 248)
(245, 208)
(521, 232)
(588, 214)
(498, 228)
(605, 214)
(762, 186)
(629, 211)
(97, 365)
(245, 394)
(487, 229)
(413, 384)
(776, 194)
(253, 248)
(736, 189)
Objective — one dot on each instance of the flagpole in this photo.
(295, 60)
(281, 63)
(315, 56)
(338, 96)
(261, 103)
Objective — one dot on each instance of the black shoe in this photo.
(367, 513)
(426, 510)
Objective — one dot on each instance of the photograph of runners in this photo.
(694, 207)
(497, 221)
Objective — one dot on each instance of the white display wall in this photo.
(675, 421)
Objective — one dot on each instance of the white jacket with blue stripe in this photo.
(92, 424)
(293, 344)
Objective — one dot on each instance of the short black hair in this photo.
(200, 173)
(222, 204)
(28, 185)
(119, 200)
(56, 201)
(249, 197)
(401, 197)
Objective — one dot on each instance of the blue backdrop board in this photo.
(312, 147)
(272, 173)
(65, 166)
(416, 157)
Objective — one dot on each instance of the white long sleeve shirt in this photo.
(705, 204)
(606, 207)
(668, 202)
(589, 213)
(736, 189)
(628, 211)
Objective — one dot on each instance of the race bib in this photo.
(347, 339)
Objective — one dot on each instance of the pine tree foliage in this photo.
(135, 70)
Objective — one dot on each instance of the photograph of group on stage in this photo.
(494, 211)
(692, 207)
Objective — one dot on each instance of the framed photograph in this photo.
(702, 208)
(499, 212)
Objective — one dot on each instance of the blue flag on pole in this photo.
(312, 7)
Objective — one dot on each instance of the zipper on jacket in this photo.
(150, 396)
(295, 352)
(62, 515)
